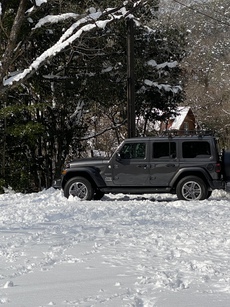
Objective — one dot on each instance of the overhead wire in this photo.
(202, 13)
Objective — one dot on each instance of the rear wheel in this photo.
(226, 165)
(191, 188)
(79, 187)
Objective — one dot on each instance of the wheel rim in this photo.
(191, 190)
(78, 189)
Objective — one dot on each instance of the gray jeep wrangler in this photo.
(189, 166)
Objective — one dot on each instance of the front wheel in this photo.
(191, 188)
(79, 187)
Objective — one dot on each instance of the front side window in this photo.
(196, 149)
(133, 151)
(164, 150)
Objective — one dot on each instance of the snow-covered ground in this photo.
(120, 251)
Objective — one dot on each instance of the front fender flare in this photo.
(90, 173)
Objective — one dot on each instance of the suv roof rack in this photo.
(199, 133)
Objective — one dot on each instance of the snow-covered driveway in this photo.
(120, 251)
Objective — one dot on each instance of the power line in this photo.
(202, 13)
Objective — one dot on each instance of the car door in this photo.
(131, 167)
(164, 162)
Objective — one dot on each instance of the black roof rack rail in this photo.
(200, 133)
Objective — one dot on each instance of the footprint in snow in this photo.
(8, 284)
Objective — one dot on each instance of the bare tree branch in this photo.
(103, 131)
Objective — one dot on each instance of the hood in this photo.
(94, 162)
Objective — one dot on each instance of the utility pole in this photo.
(130, 79)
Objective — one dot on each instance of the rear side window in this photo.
(164, 150)
(196, 150)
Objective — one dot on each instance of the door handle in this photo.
(142, 165)
(170, 165)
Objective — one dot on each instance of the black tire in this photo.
(226, 165)
(98, 195)
(79, 187)
(191, 188)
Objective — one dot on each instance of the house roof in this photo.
(179, 119)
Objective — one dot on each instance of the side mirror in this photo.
(118, 156)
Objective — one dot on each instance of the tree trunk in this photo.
(8, 56)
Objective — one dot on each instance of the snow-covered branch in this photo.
(90, 22)
(166, 87)
(226, 112)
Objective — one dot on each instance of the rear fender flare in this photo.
(196, 171)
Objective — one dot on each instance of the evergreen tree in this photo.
(56, 106)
